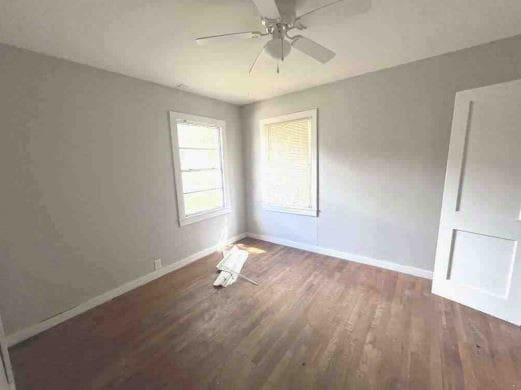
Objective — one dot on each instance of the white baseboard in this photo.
(405, 269)
(33, 330)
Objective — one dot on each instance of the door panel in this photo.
(492, 166)
(482, 262)
(477, 259)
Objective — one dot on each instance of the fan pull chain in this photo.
(282, 47)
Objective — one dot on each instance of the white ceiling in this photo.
(154, 39)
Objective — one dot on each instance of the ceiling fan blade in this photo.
(267, 8)
(227, 37)
(311, 48)
(319, 8)
(256, 59)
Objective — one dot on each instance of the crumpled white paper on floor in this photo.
(233, 260)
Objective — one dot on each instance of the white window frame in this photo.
(203, 215)
(313, 211)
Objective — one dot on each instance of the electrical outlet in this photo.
(157, 264)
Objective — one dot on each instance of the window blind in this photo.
(287, 173)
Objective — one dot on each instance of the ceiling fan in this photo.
(278, 18)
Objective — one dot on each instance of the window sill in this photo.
(288, 210)
(202, 216)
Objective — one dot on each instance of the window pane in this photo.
(288, 173)
(201, 201)
(190, 135)
(199, 159)
(201, 180)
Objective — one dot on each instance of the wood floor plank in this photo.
(315, 322)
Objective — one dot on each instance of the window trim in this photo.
(312, 113)
(203, 215)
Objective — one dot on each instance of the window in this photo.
(289, 163)
(198, 151)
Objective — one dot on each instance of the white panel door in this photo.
(478, 260)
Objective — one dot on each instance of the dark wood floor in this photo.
(314, 322)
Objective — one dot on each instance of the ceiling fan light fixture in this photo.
(275, 48)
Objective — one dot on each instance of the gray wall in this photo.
(87, 197)
(88, 201)
(383, 144)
